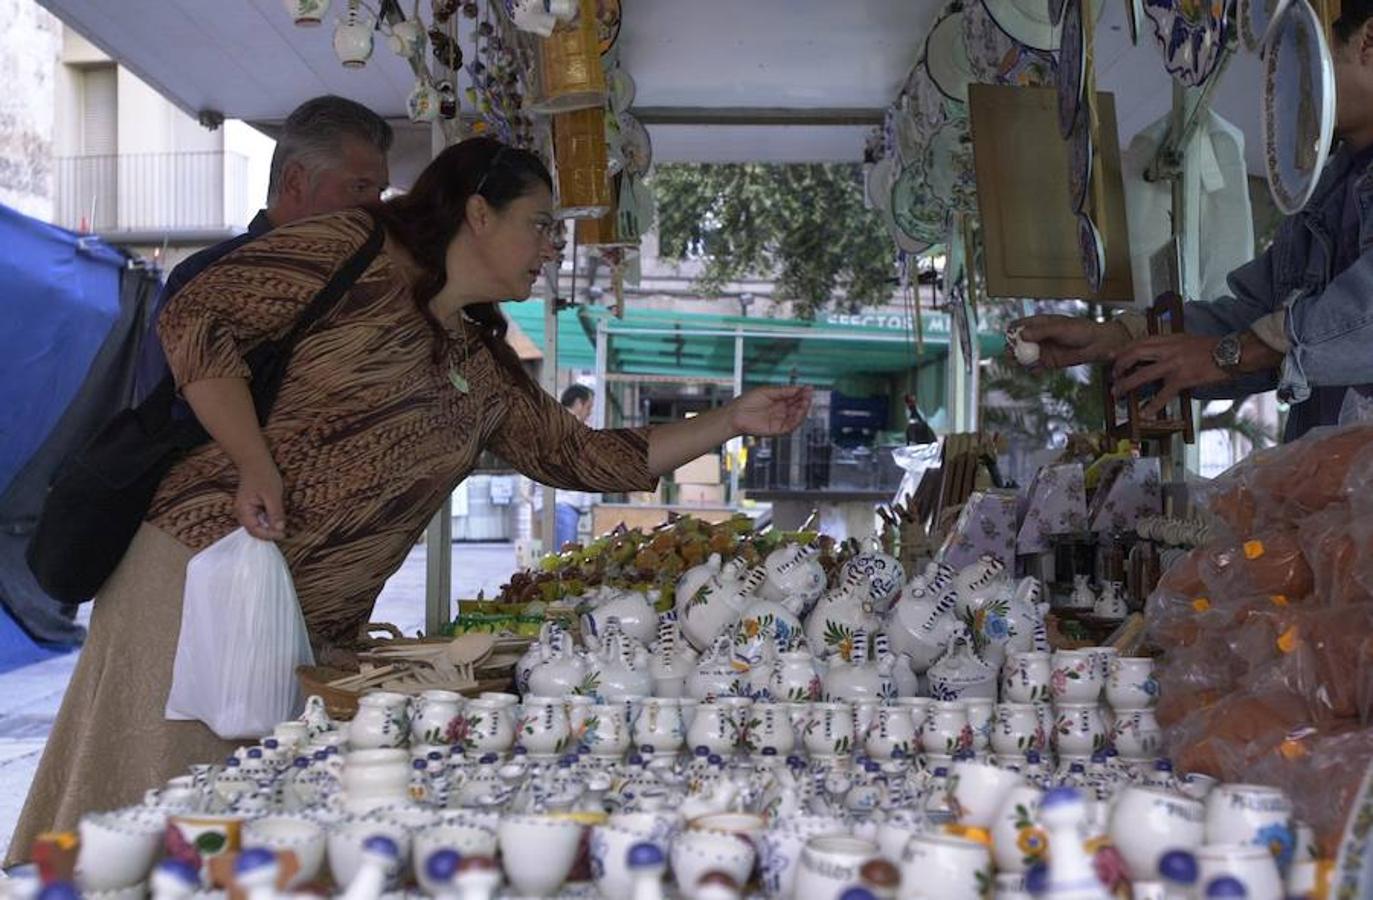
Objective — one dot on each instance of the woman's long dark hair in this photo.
(427, 218)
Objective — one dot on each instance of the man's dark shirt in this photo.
(152, 361)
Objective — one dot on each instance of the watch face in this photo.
(1227, 353)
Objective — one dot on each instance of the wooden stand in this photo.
(1165, 317)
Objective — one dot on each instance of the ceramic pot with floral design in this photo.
(353, 36)
(838, 614)
(892, 734)
(631, 609)
(978, 581)
(1025, 677)
(764, 631)
(713, 729)
(306, 13)
(767, 731)
(1016, 730)
(852, 677)
(434, 715)
(605, 731)
(921, 624)
(715, 674)
(1075, 677)
(795, 678)
(1136, 735)
(1110, 606)
(829, 730)
(488, 727)
(1131, 683)
(961, 673)
(659, 726)
(718, 605)
(543, 729)
(613, 671)
(946, 730)
(695, 578)
(1079, 729)
(1018, 841)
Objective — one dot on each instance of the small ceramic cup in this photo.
(468, 839)
(1253, 867)
(117, 848)
(344, 845)
(694, 853)
(297, 834)
(1026, 677)
(1076, 677)
(1145, 823)
(1079, 729)
(1018, 841)
(609, 854)
(1250, 815)
(948, 867)
(779, 850)
(1016, 730)
(1131, 684)
(980, 721)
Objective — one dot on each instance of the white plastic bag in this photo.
(242, 636)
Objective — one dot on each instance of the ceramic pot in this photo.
(435, 715)
(946, 728)
(831, 864)
(466, 836)
(306, 13)
(353, 37)
(632, 609)
(1079, 729)
(715, 674)
(977, 791)
(1131, 683)
(559, 671)
(372, 779)
(794, 574)
(1075, 677)
(795, 678)
(672, 660)
(921, 625)
(1253, 867)
(1250, 814)
(852, 678)
(980, 721)
(779, 850)
(1110, 606)
(1016, 730)
(535, 655)
(838, 615)
(488, 727)
(768, 731)
(948, 867)
(613, 673)
(892, 734)
(118, 848)
(1146, 823)
(1136, 734)
(718, 605)
(1025, 678)
(407, 38)
(695, 853)
(712, 729)
(609, 854)
(884, 575)
(1083, 598)
(382, 721)
(659, 726)
(297, 834)
(538, 852)
(829, 730)
(1018, 841)
(961, 673)
(605, 732)
(543, 728)
(692, 580)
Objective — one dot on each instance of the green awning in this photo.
(699, 345)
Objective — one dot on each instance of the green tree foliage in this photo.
(803, 225)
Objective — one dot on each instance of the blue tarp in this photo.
(60, 297)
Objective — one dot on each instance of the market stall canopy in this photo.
(718, 80)
(776, 351)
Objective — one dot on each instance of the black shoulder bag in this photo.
(101, 493)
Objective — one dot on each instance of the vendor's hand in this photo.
(259, 505)
(770, 410)
(1070, 340)
(1178, 361)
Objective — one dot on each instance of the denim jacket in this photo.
(1329, 320)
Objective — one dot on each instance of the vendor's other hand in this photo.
(768, 411)
(259, 505)
(1178, 361)
(1070, 340)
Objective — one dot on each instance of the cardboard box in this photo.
(713, 494)
(704, 470)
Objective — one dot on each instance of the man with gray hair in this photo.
(330, 156)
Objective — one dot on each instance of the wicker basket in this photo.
(342, 705)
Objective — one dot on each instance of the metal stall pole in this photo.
(736, 444)
(549, 381)
(601, 411)
(438, 536)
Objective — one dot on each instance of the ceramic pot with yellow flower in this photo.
(854, 677)
(838, 615)
(1018, 840)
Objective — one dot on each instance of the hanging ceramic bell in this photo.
(306, 13)
(570, 69)
(353, 36)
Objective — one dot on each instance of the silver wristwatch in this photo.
(1227, 353)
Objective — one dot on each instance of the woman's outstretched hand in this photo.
(768, 411)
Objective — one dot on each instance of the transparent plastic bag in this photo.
(1335, 543)
(915, 459)
(1269, 564)
(242, 637)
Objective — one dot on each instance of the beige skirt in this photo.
(110, 742)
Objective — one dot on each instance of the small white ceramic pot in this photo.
(694, 853)
(1026, 677)
(980, 721)
(543, 729)
(829, 731)
(1254, 867)
(1076, 677)
(977, 791)
(538, 852)
(1146, 823)
(1131, 683)
(948, 867)
(1018, 840)
(344, 845)
(117, 848)
(301, 836)
(1252, 815)
(1016, 730)
(1079, 729)
(779, 850)
(946, 728)
(831, 864)
(1136, 734)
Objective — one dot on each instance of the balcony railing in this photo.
(153, 192)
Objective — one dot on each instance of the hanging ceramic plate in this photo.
(1298, 106)
(905, 127)
(949, 171)
(1028, 22)
(620, 88)
(614, 146)
(607, 23)
(946, 57)
(1080, 152)
(1191, 35)
(1072, 68)
(635, 145)
(916, 209)
(996, 57)
(1254, 19)
(877, 184)
(1353, 873)
(1093, 251)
